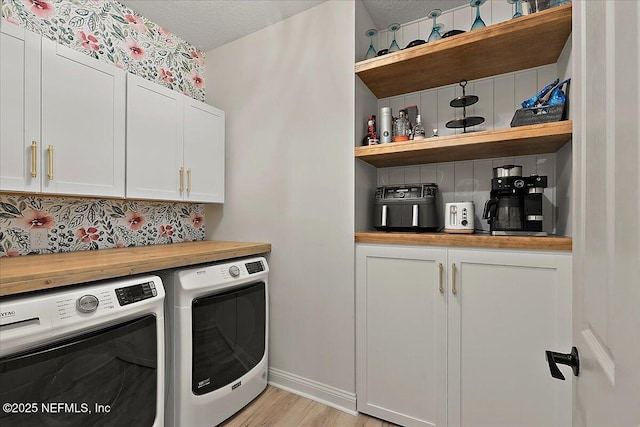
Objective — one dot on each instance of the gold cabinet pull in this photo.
(181, 179)
(34, 159)
(188, 180)
(440, 268)
(454, 290)
(50, 150)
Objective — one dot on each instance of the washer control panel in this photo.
(135, 293)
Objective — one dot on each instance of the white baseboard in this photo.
(339, 399)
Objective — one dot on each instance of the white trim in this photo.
(606, 362)
(327, 395)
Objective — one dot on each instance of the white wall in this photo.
(288, 94)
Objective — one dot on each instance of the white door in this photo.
(83, 123)
(505, 309)
(605, 96)
(401, 368)
(203, 152)
(19, 109)
(154, 141)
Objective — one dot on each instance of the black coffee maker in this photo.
(515, 206)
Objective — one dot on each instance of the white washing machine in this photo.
(84, 355)
(218, 334)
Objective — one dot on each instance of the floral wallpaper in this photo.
(89, 224)
(108, 30)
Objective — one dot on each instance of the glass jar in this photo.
(401, 127)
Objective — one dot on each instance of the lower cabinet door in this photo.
(401, 334)
(509, 307)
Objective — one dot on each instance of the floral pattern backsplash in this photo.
(89, 224)
(108, 30)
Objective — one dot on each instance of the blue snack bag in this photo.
(531, 102)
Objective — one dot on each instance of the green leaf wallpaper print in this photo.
(110, 31)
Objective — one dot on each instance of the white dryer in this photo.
(218, 334)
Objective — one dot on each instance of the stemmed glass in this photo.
(435, 31)
(394, 44)
(518, 3)
(478, 23)
(371, 52)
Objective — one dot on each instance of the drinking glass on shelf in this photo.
(518, 7)
(371, 52)
(435, 30)
(394, 44)
(478, 23)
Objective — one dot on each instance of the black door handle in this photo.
(570, 359)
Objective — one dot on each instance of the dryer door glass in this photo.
(228, 336)
(107, 377)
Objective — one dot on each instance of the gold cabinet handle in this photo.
(50, 150)
(440, 268)
(454, 290)
(188, 180)
(34, 159)
(181, 179)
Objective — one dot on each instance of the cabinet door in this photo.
(154, 141)
(19, 109)
(401, 334)
(83, 123)
(203, 152)
(508, 309)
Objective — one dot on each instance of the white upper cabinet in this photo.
(19, 109)
(175, 145)
(154, 140)
(83, 116)
(203, 152)
(62, 119)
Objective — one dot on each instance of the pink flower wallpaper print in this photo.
(89, 224)
(108, 30)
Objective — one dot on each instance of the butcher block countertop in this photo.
(552, 243)
(37, 272)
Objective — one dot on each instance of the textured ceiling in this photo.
(207, 24)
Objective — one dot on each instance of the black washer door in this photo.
(104, 378)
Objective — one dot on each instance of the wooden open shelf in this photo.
(530, 41)
(518, 141)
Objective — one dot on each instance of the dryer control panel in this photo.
(135, 293)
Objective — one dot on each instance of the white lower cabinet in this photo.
(461, 345)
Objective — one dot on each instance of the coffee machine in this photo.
(515, 206)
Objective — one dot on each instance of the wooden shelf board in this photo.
(38, 272)
(518, 141)
(530, 41)
(552, 243)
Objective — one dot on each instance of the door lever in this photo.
(570, 359)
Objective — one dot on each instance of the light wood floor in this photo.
(276, 407)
